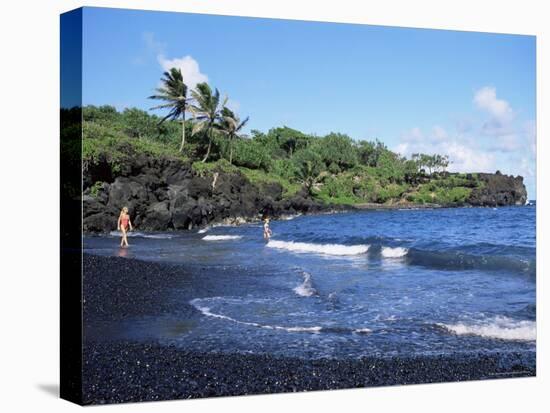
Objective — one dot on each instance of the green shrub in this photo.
(285, 168)
(453, 195)
(309, 166)
(333, 168)
(251, 154)
(117, 149)
(94, 190)
(257, 176)
(338, 149)
(338, 187)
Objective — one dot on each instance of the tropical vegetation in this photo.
(334, 168)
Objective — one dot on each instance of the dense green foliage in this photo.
(333, 168)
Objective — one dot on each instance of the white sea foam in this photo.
(500, 327)
(141, 235)
(306, 288)
(207, 312)
(362, 330)
(288, 217)
(398, 252)
(202, 231)
(314, 329)
(327, 249)
(220, 237)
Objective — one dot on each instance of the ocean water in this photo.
(384, 283)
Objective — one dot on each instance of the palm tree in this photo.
(174, 93)
(206, 112)
(230, 125)
(309, 167)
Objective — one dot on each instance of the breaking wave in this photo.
(325, 249)
(398, 252)
(220, 237)
(499, 327)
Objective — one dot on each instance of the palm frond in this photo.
(164, 106)
(198, 127)
(226, 112)
(242, 124)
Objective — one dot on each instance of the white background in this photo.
(29, 207)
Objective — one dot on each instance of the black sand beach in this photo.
(117, 369)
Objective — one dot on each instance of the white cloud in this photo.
(499, 109)
(464, 158)
(495, 128)
(463, 125)
(500, 125)
(189, 69)
(439, 133)
(413, 135)
(462, 152)
(499, 141)
(506, 143)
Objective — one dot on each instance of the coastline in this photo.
(164, 193)
(341, 209)
(118, 369)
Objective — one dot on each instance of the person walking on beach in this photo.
(267, 230)
(123, 224)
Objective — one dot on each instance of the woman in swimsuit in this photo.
(267, 230)
(123, 224)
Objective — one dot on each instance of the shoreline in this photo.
(118, 369)
(342, 209)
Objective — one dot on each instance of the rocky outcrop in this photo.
(163, 194)
(498, 190)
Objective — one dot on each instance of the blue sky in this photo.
(468, 95)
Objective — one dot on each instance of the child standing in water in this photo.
(267, 230)
(123, 224)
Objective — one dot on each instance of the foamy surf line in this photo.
(502, 328)
(206, 311)
(220, 237)
(296, 329)
(326, 249)
(397, 252)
